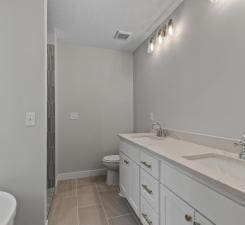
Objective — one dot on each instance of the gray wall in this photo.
(98, 84)
(195, 81)
(22, 89)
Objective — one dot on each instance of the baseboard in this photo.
(80, 174)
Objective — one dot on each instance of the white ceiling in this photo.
(94, 22)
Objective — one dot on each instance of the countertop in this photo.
(173, 150)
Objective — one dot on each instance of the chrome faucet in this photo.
(242, 143)
(161, 132)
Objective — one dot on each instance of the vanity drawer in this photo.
(131, 150)
(149, 164)
(148, 216)
(149, 189)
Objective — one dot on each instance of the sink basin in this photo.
(7, 208)
(221, 165)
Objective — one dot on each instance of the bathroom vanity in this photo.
(172, 182)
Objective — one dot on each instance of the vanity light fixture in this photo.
(170, 27)
(158, 37)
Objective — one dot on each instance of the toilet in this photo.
(111, 162)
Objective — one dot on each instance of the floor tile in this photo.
(85, 181)
(123, 220)
(87, 195)
(99, 179)
(63, 211)
(114, 205)
(102, 186)
(66, 188)
(93, 215)
(89, 201)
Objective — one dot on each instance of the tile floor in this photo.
(89, 201)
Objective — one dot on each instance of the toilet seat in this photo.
(111, 159)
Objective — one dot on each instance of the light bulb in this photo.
(159, 39)
(151, 46)
(170, 27)
(214, 1)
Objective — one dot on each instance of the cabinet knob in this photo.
(147, 189)
(196, 223)
(146, 164)
(126, 161)
(147, 219)
(188, 218)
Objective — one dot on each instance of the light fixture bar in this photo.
(166, 29)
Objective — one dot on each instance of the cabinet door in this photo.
(200, 220)
(134, 190)
(123, 175)
(174, 211)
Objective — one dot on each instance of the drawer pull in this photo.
(147, 219)
(146, 164)
(196, 223)
(147, 189)
(126, 161)
(188, 218)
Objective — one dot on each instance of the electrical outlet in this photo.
(30, 119)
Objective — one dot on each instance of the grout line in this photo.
(89, 205)
(78, 222)
(102, 205)
(114, 217)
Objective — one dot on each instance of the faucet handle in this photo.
(242, 141)
(243, 135)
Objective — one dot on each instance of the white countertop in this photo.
(173, 150)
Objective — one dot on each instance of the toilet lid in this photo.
(111, 158)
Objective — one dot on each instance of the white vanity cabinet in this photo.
(219, 209)
(134, 193)
(129, 176)
(163, 193)
(149, 184)
(124, 175)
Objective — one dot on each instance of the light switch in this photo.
(30, 119)
(74, 115)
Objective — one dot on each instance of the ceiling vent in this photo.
(122, 35)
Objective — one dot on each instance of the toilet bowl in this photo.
(111, 162)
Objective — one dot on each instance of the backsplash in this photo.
(226, 144)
